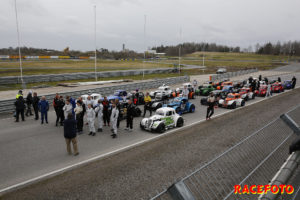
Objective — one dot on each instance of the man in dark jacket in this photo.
(29, 103)
(106, 117)
(118, 106)
(43, 108)
(35, 104)
(70, 134)
(60, 112)
(130, 115)
(55, 106)
(20, 106)
(294, 82)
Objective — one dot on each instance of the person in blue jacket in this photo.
(43, 108)
(73, 103)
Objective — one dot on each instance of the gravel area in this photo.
(138, 172)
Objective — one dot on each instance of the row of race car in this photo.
(169, 105)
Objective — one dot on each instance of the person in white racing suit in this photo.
(114, 120)
(99, 111)
(90, 115)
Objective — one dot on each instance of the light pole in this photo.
(144, 46)
(18, 34)
(179, 56)
(96, 78)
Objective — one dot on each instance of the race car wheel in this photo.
(142, 127)
(178, 111)
(158, 106)
(193, 96)
(253, 96)
(246, 99)
(161, 128)
(233, 106)
(192, 108)
(179, 122)
(243, 103)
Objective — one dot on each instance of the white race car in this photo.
(232, 101)
(164, 118)
(164, 91)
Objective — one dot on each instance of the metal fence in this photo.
(232, 74)
(8, 105)
(253, 161)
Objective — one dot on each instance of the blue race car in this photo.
(287, 84)
(119, 94)
(181, 105)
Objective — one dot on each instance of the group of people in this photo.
(71, 113)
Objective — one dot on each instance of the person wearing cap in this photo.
(211, 104)
(29, 103)
(20, 93)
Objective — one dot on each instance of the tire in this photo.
(247, 98)
(253, 96)
(158, 106)
(138, 112)
(161, 128)
(177, 110)
(243, 103)
(233, 106)
(179, 122)
(192, 108)
(142, 127)
(193, 96)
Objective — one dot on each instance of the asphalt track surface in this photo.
(29, 150)
(137, 172)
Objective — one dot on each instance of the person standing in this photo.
(99, 111)
(35, 104)
(70, 134)
(259, 77)
(89, 101)
(79, 117)
(137, 96)
(90, 115)
(130, 115)
(195, 83)
(147, 105)
(118, 106)
(185, 92)
(20, 93)
(29, 103)
(43, 108)
(279, 80)
(114, 118)
(269, 92)
(55, 106)
(60, 106)
(211, 104)
(105, 104)
(20, 107)
(294, 82)
(67, 108)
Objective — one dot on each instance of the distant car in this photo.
(287, 84)
(164, 118)
(181, 105)
(206, 89)
(277, 87)
(246, 94)
(221, 70)
(226, 83)
(164, 90)
(262, 91)
(232, 101)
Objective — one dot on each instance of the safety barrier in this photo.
(252, 161)
(232, 74)
(8, 105)
(77, 76)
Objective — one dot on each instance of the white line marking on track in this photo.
(125, 148)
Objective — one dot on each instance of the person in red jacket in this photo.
(106, 116)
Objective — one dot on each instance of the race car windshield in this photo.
(176, 100)
(160, 113)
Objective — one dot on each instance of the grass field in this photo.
(71, 66)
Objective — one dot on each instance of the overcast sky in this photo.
(57, 24)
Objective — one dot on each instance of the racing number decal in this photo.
(168, 120)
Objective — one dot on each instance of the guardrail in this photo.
(8, 105)
(232, 74)
(252, 161)
(83, 75)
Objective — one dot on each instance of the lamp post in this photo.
(95, 35)
(18, 35)
(144, 46)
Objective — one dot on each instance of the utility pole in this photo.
(96, 78)
(18, 34)
(145, 17)
(179, 56)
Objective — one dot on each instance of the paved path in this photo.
(135, 173)
(29, 150)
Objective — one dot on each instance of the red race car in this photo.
(262, 91)
(277, 87)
